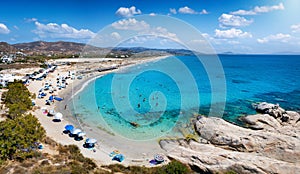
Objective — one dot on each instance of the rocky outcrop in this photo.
(271, 124)
(269, 108)
(271, 146)
(207, 158)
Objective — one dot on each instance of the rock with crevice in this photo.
(267, 122)
(269, 108)
(272, 145)
(206, 158)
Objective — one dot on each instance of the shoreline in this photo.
(121, 68)
(54, 130)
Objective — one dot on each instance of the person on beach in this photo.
(65, 107)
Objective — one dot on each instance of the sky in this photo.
(238, 26)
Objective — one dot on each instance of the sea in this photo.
(160, 99)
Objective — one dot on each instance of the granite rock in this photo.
(269, 143)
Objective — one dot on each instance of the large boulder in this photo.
(271, 144)
(269, 108)
(269, 123)
(206, 158)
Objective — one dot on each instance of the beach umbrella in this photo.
(158, 158)
(58, 116)
(75, 131)
(118, 157)
(51, 111)
(91, 141)
(81, 134)
(51, 98)
(69, 127)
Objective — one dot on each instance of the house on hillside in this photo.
(20, 54)
(8, 58)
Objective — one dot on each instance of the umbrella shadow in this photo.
(88, 145)
(72, 135)
(66, 131)
(77, 138)
(56, 120)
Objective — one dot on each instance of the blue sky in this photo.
(239, 26)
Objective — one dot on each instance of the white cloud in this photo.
(173, 11)
(278, 37)
(243, 12)
(140, 39)
(259, 9)
(187, 10)
(296, 28)
(204, 11)
(232, 33)
(115, 35)
(233, 42)
(206, 38)
(54, 30)
(30, 19)
(266, 9)
(163, 32)
(131, 24)
(128, 12)
(228, 20)
(205, 35)
(4, 29)
(143, 28)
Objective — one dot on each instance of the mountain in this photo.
(66, 49)
(7, 48)
(50, 46)
(151, 51)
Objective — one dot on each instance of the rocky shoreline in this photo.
(269, 144)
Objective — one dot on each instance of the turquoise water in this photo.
(162, 96)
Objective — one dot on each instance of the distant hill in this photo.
(151, 51)
(7, 48)
(50, 46)
(65, 49)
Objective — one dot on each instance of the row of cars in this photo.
(42, 73)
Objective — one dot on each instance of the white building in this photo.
(8, 58)
(6, 78)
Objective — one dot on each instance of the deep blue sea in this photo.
(162, 96)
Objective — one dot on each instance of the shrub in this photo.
(174, 167)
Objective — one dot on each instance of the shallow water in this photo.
(161, 97)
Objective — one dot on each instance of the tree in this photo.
(18, 137)
(17, 99)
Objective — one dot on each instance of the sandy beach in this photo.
(135, 152)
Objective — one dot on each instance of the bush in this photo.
(73, 153)
(174, 167)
